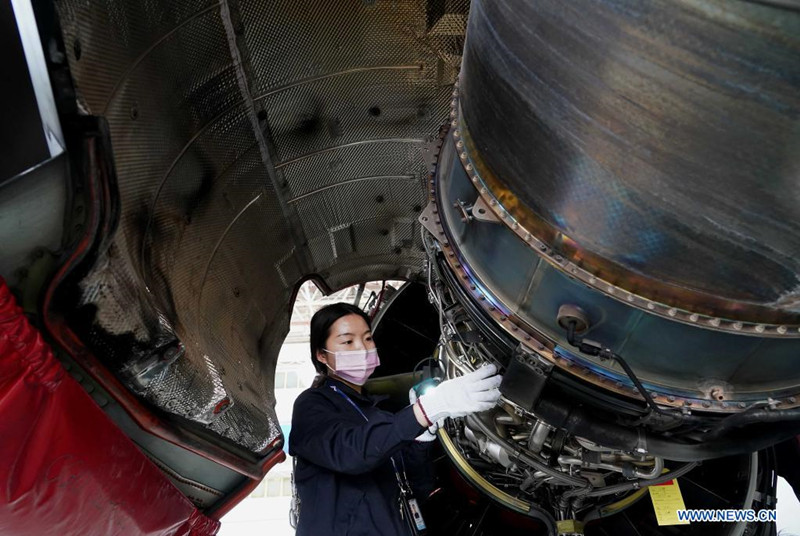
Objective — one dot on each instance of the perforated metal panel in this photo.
(255, 143)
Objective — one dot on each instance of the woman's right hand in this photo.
(470, 393)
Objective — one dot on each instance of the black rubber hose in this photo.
(579, 422)
(753, 416)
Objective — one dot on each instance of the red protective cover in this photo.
(65, 467)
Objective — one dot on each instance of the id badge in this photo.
(416, 514)
(410, 512)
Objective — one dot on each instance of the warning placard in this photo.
(667, 500)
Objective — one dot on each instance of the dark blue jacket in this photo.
(344, 476)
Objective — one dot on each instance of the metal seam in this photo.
(147, 52)
(219, 243)
(348, 181)
(244, 88)
(351, 144)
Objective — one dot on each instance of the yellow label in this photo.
(667, 500)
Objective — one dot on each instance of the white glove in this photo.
(470, 393)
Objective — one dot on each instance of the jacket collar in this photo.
(349, 391)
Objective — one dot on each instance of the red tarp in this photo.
(65, 467)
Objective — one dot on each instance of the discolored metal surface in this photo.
(681, 363)
(653, 144)
(255, 143)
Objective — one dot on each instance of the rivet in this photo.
(483, 190)
(474, 178)
(516, 226)
(455, 93)
(693, 317)
(760, 328)
(454, 123)
(706, 404)
(742, 405)
(472, 287)
(672, 312)
(737, 326)
(503, 319)
(493, 202)
(468, 167)
(781, 329)
(452, 112)
(792, 399)
(714, 322)
(528, 237)
(610, 289)
(671, 398)
(593, 280)
(460, 144)
(456, 134)
(630, 297)
(483, 298)
(463, 156)
(651, 306)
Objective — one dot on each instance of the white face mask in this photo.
(355, 366)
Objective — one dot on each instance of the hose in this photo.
(753, 416)
(577, 421)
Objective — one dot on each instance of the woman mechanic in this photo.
(351, 457)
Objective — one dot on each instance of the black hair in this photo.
(321, 324)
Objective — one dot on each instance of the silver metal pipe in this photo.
(538, 435)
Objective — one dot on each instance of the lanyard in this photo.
(402, 479)
(409, 509)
